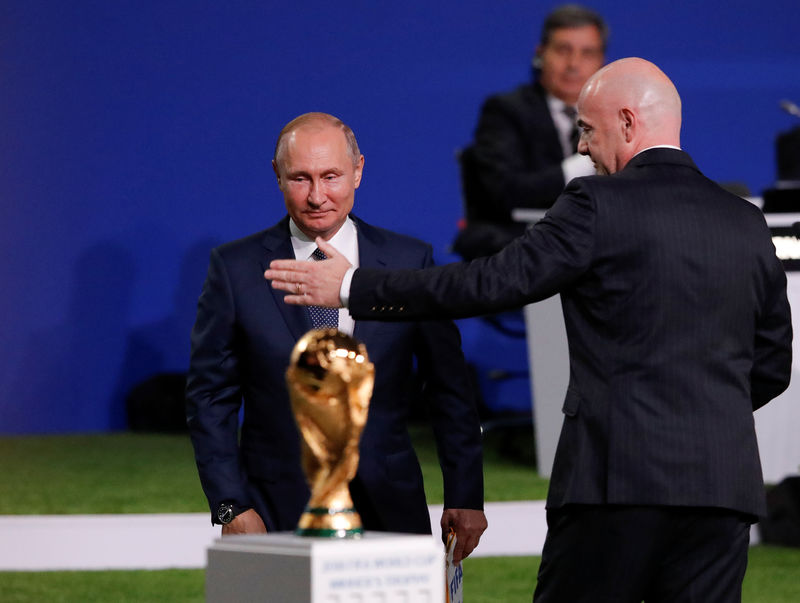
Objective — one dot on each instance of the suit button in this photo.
(374, 308)
(401, 309)
(391, 308)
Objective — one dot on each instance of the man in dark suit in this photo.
(243, 338)
(524, 149)
(679, 328)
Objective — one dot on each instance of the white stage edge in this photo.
(180, 540)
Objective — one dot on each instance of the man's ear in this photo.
(277, 173)
(358, 172)
(536, 59)
(627, 120)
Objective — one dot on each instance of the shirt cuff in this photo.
(575, 166)
(344, 289)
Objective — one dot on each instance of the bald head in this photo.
(626, 107)
(317, 121)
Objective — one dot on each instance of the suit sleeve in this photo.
(213, 392)
(545, 260)
(772, 360)
(500, 153)
(453, 411)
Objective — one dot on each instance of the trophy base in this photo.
(323, 522)
(282, 567)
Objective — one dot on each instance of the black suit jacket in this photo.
(241, 343)
(678, 326)
(515, 160)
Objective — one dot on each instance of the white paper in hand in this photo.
(454, 592)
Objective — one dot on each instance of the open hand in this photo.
(310, 283)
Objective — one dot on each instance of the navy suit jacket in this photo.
(241, 343)
(678, 326)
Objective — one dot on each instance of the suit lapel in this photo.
(278, 245)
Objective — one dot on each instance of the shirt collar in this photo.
(563, 123)
(304, 246)
(655, 146)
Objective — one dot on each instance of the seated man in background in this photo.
(243, 338)
(525, 147)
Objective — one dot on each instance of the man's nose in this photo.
(315, 194)
(573, 59)
(583, 148)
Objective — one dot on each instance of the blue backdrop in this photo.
(136, 135)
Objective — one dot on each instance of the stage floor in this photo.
(180, 540)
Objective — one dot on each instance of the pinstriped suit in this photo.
(515, 160)
(678, 325)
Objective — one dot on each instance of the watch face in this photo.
(225, 513)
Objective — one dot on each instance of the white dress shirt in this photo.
(346, 242)
(573, 164)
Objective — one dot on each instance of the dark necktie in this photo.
(323, 317)
(574, 134)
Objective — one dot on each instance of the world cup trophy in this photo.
(330, 381)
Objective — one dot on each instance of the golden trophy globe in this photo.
(330, 381)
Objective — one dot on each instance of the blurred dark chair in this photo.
(486, 227)
(787, 152)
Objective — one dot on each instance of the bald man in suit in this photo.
(679, 328)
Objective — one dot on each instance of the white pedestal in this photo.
(284, 568)
(548, 355)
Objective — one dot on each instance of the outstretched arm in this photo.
(545, 259)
